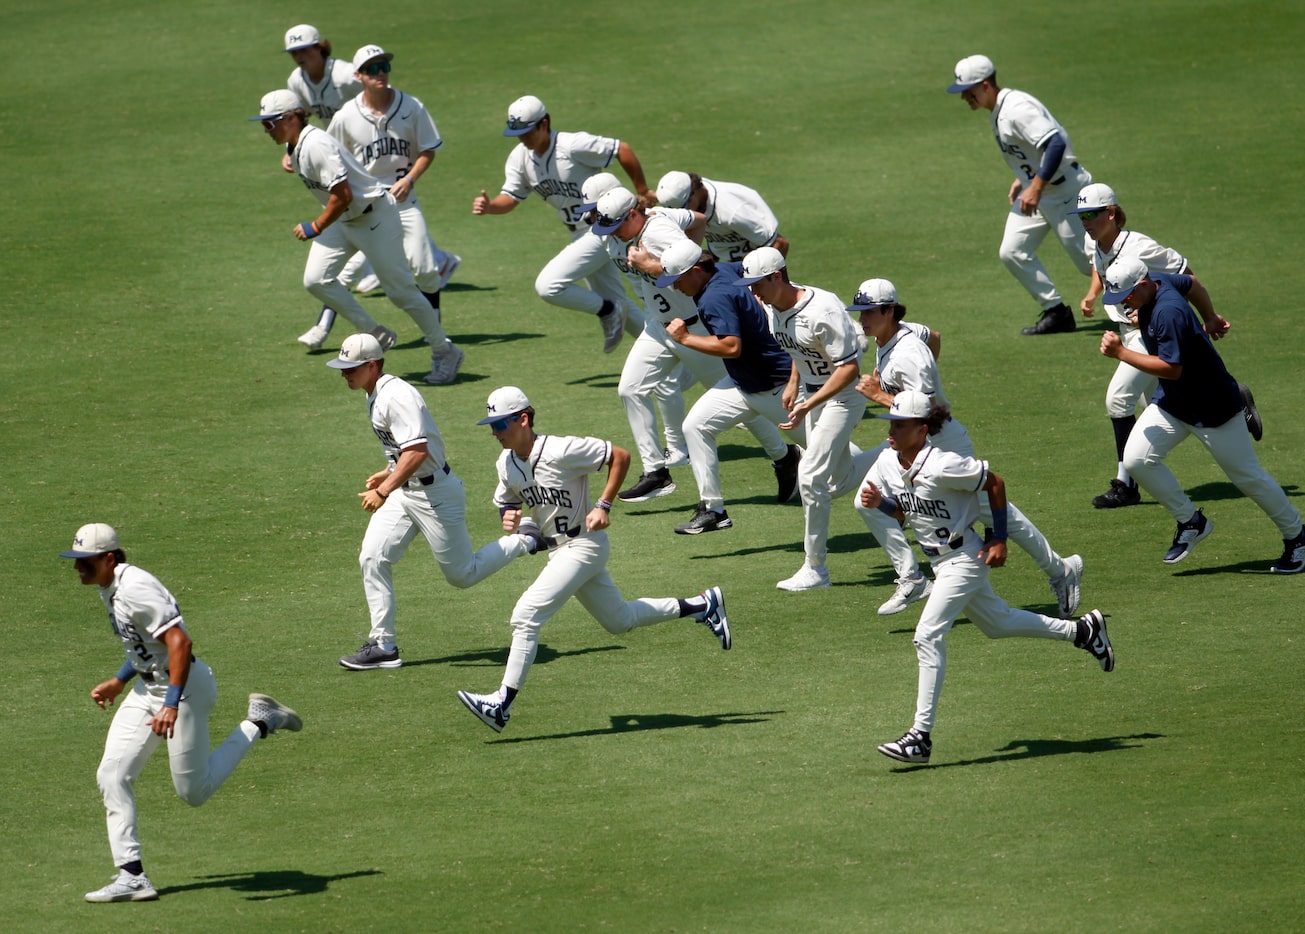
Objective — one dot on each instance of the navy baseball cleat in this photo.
(713, 617)
(705, 520)
(915, 747)
(488, 707)
(1293, 556)
(1092, 638)
(1187, 535)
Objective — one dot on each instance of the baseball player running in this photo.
(1047, 181)
(814, 327)
(1197, 397)
(394, 138)
(1103, 221)
(738, 219)
(171, 700)
(357, 214)
(547, 476)
(415, 493)
(555, 166)
(904, 362)
(937, 494)
(757, 371)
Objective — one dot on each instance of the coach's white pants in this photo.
(1157, 433)
(962, 585)
(584, 259)
(577, 568)
(379, 235)
(831, 467)
(1023, 236)
(196, 772)
(720, 408)
(439, 512)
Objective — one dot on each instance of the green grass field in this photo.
(152, 294)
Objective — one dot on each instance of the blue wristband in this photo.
(888, 505)
(999, 524)
(173, 698)
(126, 672)
(309, 230)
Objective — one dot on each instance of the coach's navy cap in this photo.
(595, 187)
(93, 539)
(504, 402)
(356, 350)
(760, 263)
(677, 259)
(613, 208)
(908, 404)
(524, 115)
(1124, 275)
(970, 71)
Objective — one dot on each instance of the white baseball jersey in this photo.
(141, 610)
(1130, 243)
(665, 226)
(1021, 125)
(738, 220)
(937, 493)
(401, 419)
(559, 173)
(906, 362)
(552, 484)
(339, 84)
(322, 163)
(818, 334)
(386, 144)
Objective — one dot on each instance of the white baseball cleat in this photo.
(369, 284)
(314, 337)
(1066, 588)
(385, 337)
(451, 263)
(444, 365)
(613, 322)
(807, 578)
(125, 888)
(274, 714)
(909, 590)
(676, 457)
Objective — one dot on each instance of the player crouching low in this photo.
(919, 483)
(548, 476)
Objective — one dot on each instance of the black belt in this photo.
(814, 387)
(1072, 165)
(554, 542)
(430, 478)
(951, 546)
(149, 675)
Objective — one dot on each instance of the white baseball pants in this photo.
(584, 259)
(720, 408)
(1023, 236)
(831, 467)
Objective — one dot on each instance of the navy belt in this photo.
(814, 387)
(554, 542)
(149, 675)
(947, 549)
(1072, 165)
(430, 478)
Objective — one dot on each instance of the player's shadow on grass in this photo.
(1260, 566)
(1039, 748)
(838, 544)
(1221, 490)
(265, 886)
(597, 381)
(642, 723)
(497, 657)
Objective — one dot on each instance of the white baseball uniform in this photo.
(940, 494)
(339, 84)
(432, 503)
(819, 335)
(1021, 124)
(371, 224)
(906, 363)
(552, 486)
(557, 177)
(387, 145)
(141, 610)
(738, 220)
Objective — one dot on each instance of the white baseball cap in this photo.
(504, 402)
(1124, 275)
(277, 103)
(674, 189)
(301, 37)
(1095, 197)
(873, 293)
(595, 187)
(367, 53)
(760, 263)
(92, 539)
(356, 350)
(909, 404)
(677, 259)
(970, 71)
(613, 208)
(524, 115)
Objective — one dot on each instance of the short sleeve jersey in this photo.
(322, 163)
(1131, 244)
(664, 227)
(729, 311)
(1021, 126)
(552, 484)
(339, 84)
(557, 175)
(818, 334)
(141, 610)
(401, 419)
(938, 493)
(738, 220)
(386, 144)
(1205, 394)
(906, 362)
